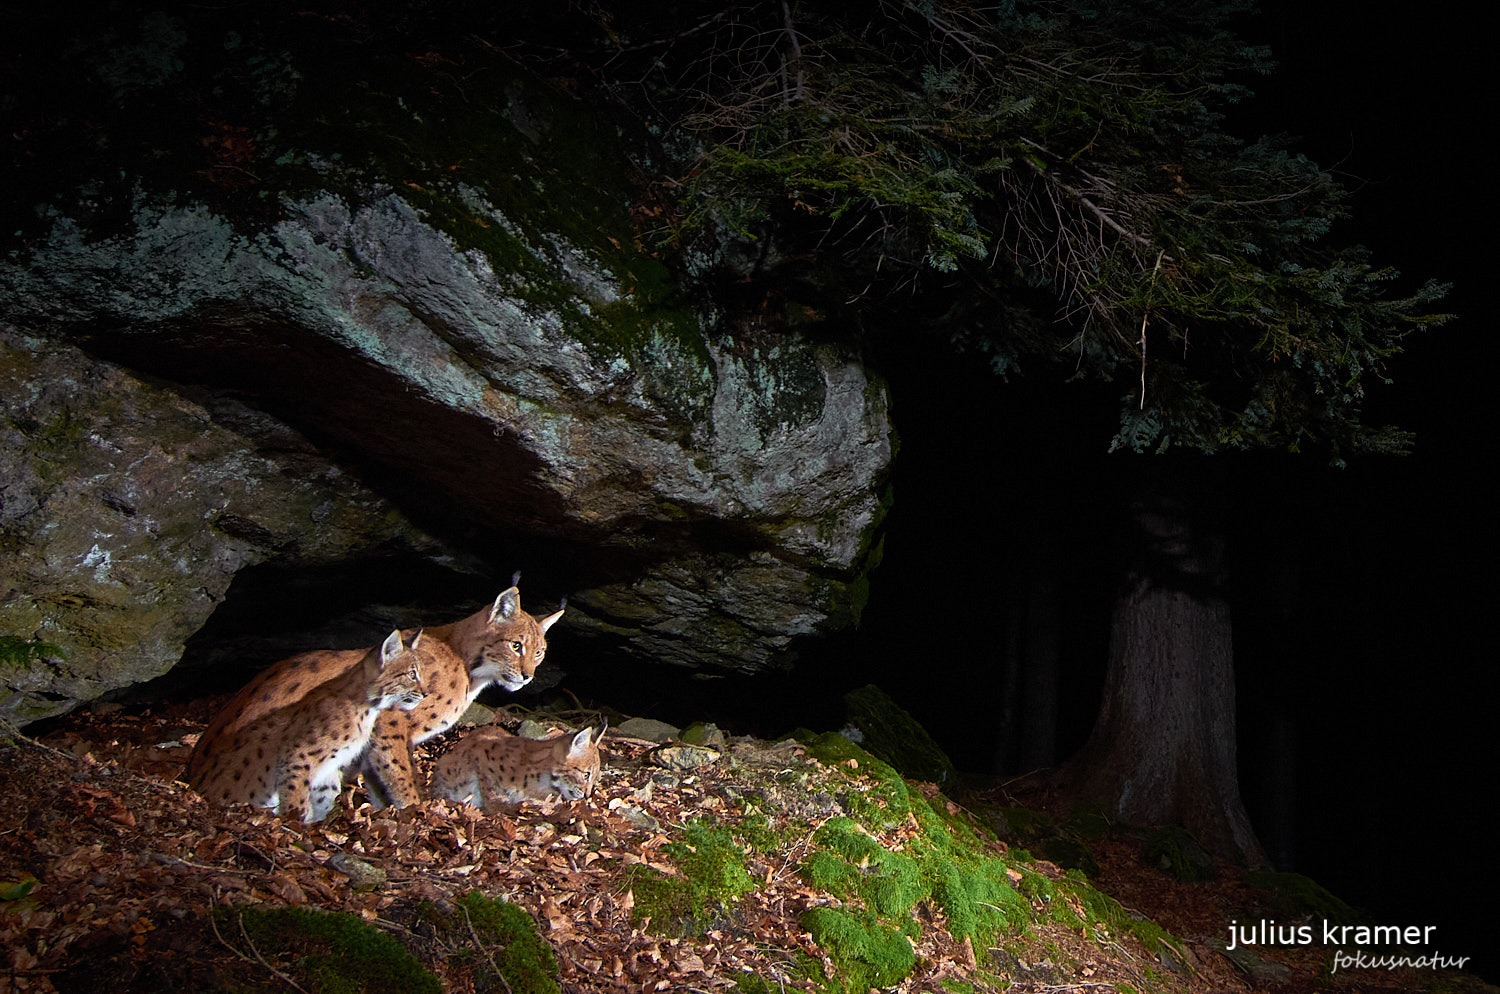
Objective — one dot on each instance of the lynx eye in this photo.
(516, 647)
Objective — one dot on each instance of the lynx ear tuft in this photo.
(391, 647)
(580, 743)
(507, 606)
(515, 579)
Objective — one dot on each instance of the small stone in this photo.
(704, 734)
(362, 875)
(680, 756)
(648, 729)
(637, 817)
(477, 714)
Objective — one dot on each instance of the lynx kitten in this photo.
(491, 766)
(294, 758)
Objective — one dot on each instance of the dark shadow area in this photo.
(270, 612)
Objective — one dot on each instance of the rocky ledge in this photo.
(260, 346)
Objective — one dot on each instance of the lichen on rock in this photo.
(126, 513)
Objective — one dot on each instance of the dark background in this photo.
(1363, 596)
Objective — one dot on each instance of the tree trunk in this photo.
(1163, 748)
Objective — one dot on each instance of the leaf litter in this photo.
(111, 861)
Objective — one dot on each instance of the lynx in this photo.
(500, 644)
(293, 759)
(490, 766)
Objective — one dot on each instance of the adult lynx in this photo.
(490, 766)
(293, 759)
(500, 644)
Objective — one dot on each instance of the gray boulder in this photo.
(309, 352)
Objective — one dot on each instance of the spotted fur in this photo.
(294, 759)
(489, 766)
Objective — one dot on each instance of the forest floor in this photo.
(116, 877)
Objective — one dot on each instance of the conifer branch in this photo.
(1084, 157)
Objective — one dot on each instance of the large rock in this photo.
(126, 511)
(477, 333)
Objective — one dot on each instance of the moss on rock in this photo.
(335, 952)
(1070, 853)
(1292, 895)
(1177, 854)
(891, 733)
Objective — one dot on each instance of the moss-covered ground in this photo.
(893, 869)
(331, 951)
(940, 855)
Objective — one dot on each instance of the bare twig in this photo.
(484, 949)
(258, 957)
(1146, 316)
(796, 59)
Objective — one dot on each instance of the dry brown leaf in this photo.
(688, 961)
(556, 919)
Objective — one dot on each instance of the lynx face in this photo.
(399, 685)
(514, 645)
(575, 770)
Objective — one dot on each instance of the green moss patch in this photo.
(879, 796)
(895, 851)
(946, 862)
(19, 653)
(711, 877)
(853, 864)
(980, 904)
(866, 952)
(891, 733)
(328, 952)
(515, 958)
(1177, 854)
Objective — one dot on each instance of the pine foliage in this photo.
(982, 153)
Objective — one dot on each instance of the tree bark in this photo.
(1163, 748)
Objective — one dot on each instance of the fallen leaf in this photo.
(284, 887)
